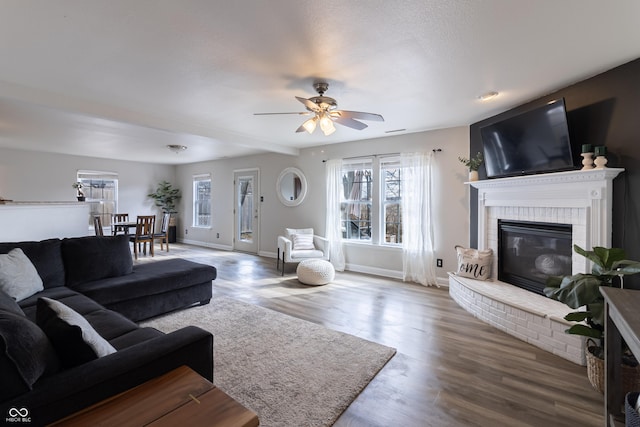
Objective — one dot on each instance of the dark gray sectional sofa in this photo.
(95, 277)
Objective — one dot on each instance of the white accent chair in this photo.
(287, 251)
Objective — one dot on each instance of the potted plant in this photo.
(583, 290)
(78, 186)
(473, 164)
(166, 197)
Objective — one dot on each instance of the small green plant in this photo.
(472, 163)
(166, 197)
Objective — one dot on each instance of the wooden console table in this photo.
(622, 321)
(180, 397)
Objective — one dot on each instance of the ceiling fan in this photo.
(325, 113)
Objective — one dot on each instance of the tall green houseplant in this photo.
(166, 197)
(609, 267)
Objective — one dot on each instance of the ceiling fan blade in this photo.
(350, 123)
(309, 104)
(360, 115)
(305, 113)
(301, 129)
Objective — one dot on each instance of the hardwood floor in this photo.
(450, 369)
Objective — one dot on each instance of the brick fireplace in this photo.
(581, 199)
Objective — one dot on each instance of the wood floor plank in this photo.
(450, 370)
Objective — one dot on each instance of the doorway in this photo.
(246, 210)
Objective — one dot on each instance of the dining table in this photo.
(126, 225)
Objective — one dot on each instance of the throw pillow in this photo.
(74, 339)
(474, 263)
(289, 232)
(25, 354)
(45, 256)
(303, 242)
(18, 277)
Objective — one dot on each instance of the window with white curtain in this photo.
(370, 208)
(202, 200)
(101, 192)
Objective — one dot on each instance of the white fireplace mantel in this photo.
(581, 198)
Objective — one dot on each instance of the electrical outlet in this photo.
(217, 235)
(439, 262)
(186, 231)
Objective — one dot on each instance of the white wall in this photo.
(38, 176)
(451, 211)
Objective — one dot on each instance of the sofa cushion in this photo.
(75, 340)
(59, 293)
(95, 257)
(166, 276)
(46, 258)
(18, 277)
(25, 354)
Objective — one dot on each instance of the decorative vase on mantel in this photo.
(473, 175)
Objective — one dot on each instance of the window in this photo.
(202, 200)
(371, 205)
(391, 172)
(101, 192)
(355, 210)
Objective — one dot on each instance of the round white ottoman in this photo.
(315, 272)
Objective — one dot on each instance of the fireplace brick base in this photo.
(529, 317)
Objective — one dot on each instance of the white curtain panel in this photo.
(417, 220)
(333, 226)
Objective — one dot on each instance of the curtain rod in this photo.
(435, 150)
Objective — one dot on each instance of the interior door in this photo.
(246, 210)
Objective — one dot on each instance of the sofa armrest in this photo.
(66, 392)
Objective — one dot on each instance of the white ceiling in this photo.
(123, 78)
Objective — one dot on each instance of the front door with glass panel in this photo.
(247, 210)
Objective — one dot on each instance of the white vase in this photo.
(473, 176)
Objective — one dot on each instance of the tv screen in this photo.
(535, 141)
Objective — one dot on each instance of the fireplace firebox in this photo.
(530, 252)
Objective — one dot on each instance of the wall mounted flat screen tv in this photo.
(535, 141)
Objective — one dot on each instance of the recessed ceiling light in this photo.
(488, 95)
(177, 148)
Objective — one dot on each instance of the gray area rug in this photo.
(289, 371)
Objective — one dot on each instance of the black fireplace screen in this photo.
(530, 252)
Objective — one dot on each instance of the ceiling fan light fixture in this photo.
(310, 125)
(176, 148)
(326, 124)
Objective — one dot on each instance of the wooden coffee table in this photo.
(180, 397)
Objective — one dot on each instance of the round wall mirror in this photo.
(291, 187)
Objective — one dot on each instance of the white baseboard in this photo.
(206, 244)
(393, 274)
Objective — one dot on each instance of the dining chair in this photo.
(97, 225)
(119, 217)
(163, 235)
(145, 228)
